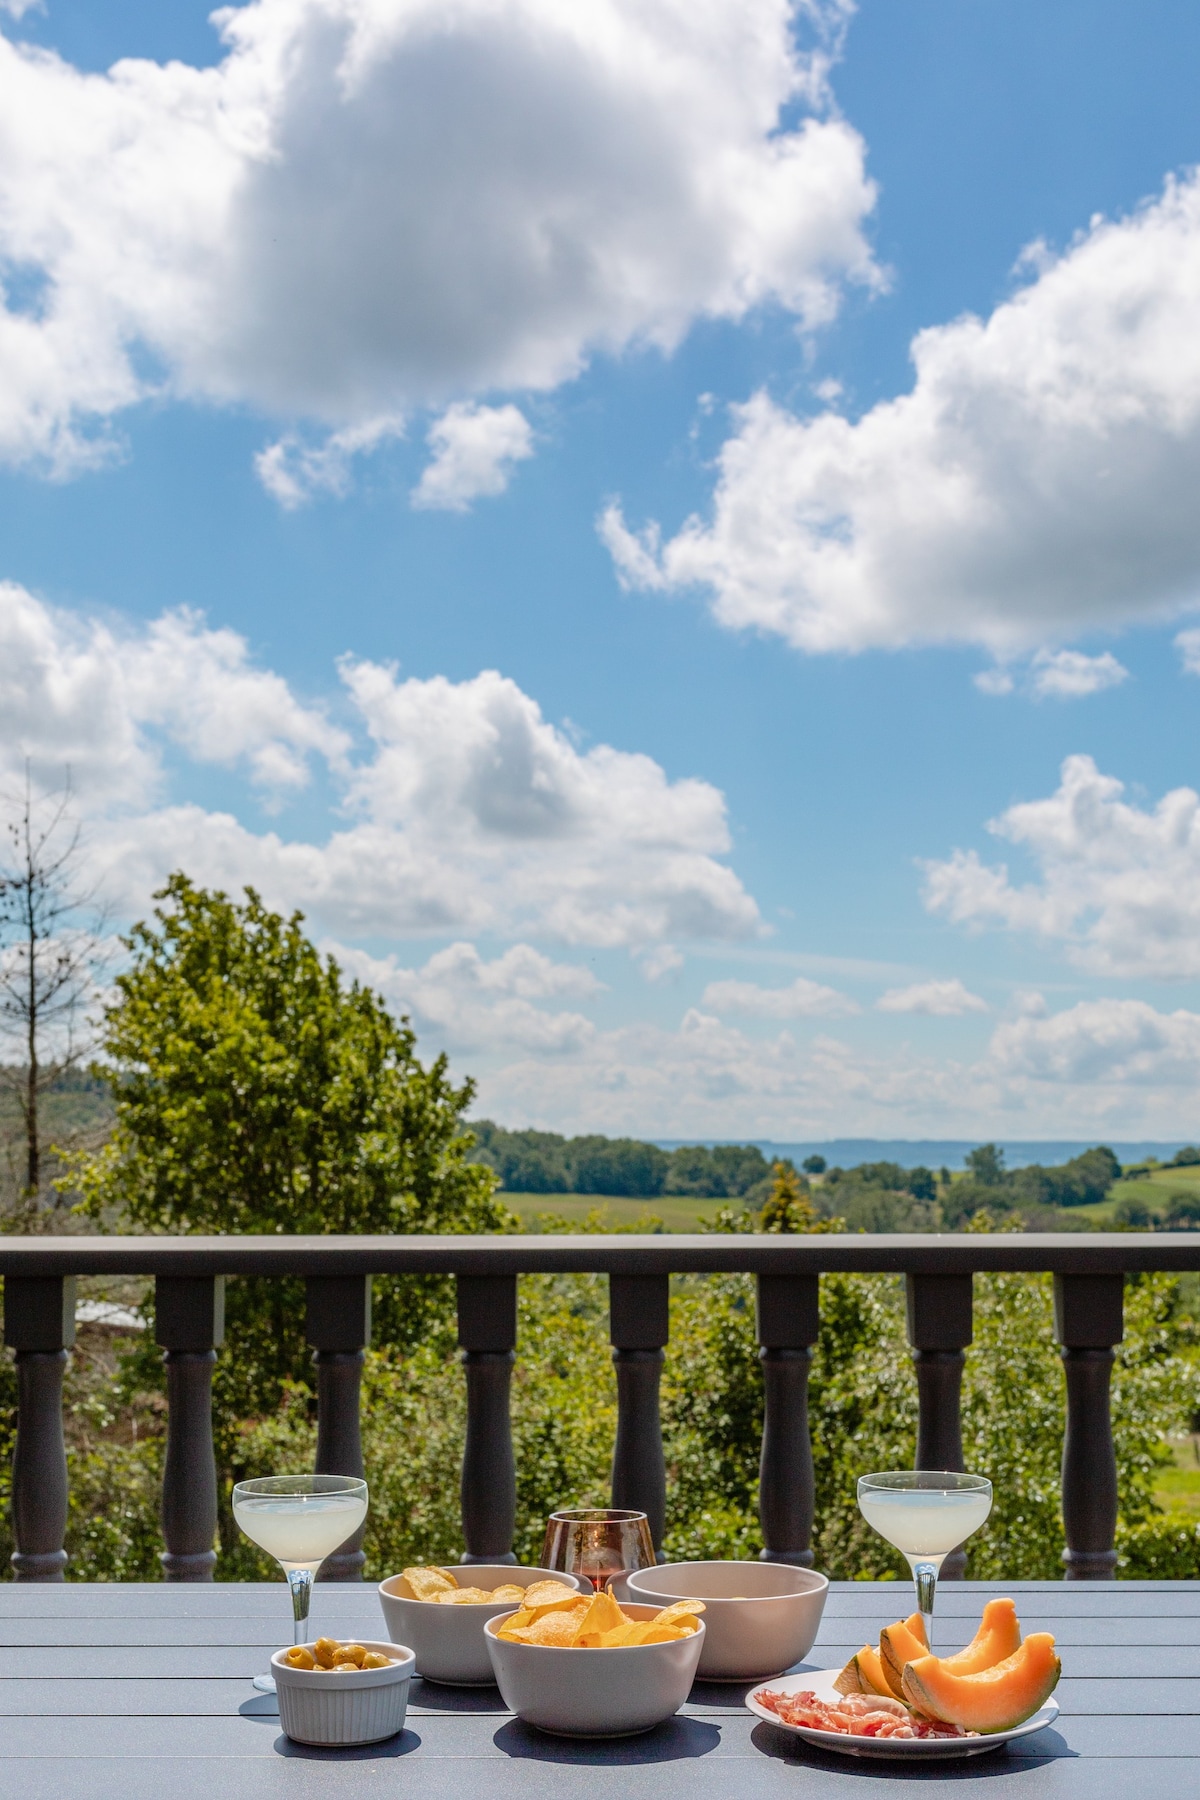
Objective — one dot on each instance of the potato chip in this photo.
(508, 1591)
(603, 1614)
(467, 1596)
(427, 1584)
(553, 1628)
(517, 1621)
(546, 1593)
(679, 1608)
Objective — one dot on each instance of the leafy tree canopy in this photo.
(257, 1090)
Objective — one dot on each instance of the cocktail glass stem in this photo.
(925, 1576)
(301, 1583)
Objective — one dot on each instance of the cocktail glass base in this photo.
(264, 1683)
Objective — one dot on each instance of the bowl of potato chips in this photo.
(441, 1612)
(581, 1666)
(338, 1694)
(760, 1617)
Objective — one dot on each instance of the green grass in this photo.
(676, 1212)
(1156, 1189)
(1177, 1489)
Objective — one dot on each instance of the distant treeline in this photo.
(542, 1162)
(874, 1196)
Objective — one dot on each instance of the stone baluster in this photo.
(788, 1325)
(639, 1327)
(338, 1326)
(939, 1330)
(39, 1324)
(189, 1323)
(487, 1335)
(1088, 1323)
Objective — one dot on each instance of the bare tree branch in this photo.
(51, 932)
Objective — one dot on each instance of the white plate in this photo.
(820, 1682)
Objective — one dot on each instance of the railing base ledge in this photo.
(31, 1565)
(1090, 1565)
(507, 1557)
(195, 1565)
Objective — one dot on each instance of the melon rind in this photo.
(863, 1674)
(996, 1699)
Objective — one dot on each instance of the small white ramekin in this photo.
(318, 1707)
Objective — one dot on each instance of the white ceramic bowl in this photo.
(595, 1693)
(448, 1640)
(760, 1618)
(317, 1707)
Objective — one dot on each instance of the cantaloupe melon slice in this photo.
(899, 1644)
(996, 1699)
(999, 1635)
(863, 1674)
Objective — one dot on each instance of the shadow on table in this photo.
(1031, 1753)
(439, 1697)
(403, 1744)
(675, 1740)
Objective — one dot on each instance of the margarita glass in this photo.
(299, 1520)
(925, 1513)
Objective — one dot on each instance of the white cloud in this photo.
(1188, 645)
(464, 809)
(474, 450)
(1070, 675)
(801, 999)
(81, 693)
(372, 205)
(1103, 1042)
(293, 471)
(1101, 1069)
(1118, 884)
(996, 682)
(937, 999)
(660, 962)
(1037, 481)
(473, 1004)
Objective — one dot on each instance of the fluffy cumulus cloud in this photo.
(81, 694)
(800, 999)
(937, 999)
(371, 205)
(474, 451)
(473, 1004)
(463, 807)
(1118, 884)
(1037, 481)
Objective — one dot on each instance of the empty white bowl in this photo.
(759, 1617)
(318, 1707)
(595, 1693)
(448, 1640)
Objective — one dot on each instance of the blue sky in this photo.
(330, 344)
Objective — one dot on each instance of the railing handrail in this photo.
(625, 1253)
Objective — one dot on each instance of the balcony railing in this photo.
(39, 1325)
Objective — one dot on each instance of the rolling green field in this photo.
(670, 1212)
(1157, 1189)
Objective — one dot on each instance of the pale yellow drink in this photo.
(300, 1530)
(925, 1522)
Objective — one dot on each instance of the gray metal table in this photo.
(128, 1692)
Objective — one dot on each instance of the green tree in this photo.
(257, 1090)
(985, 1165)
